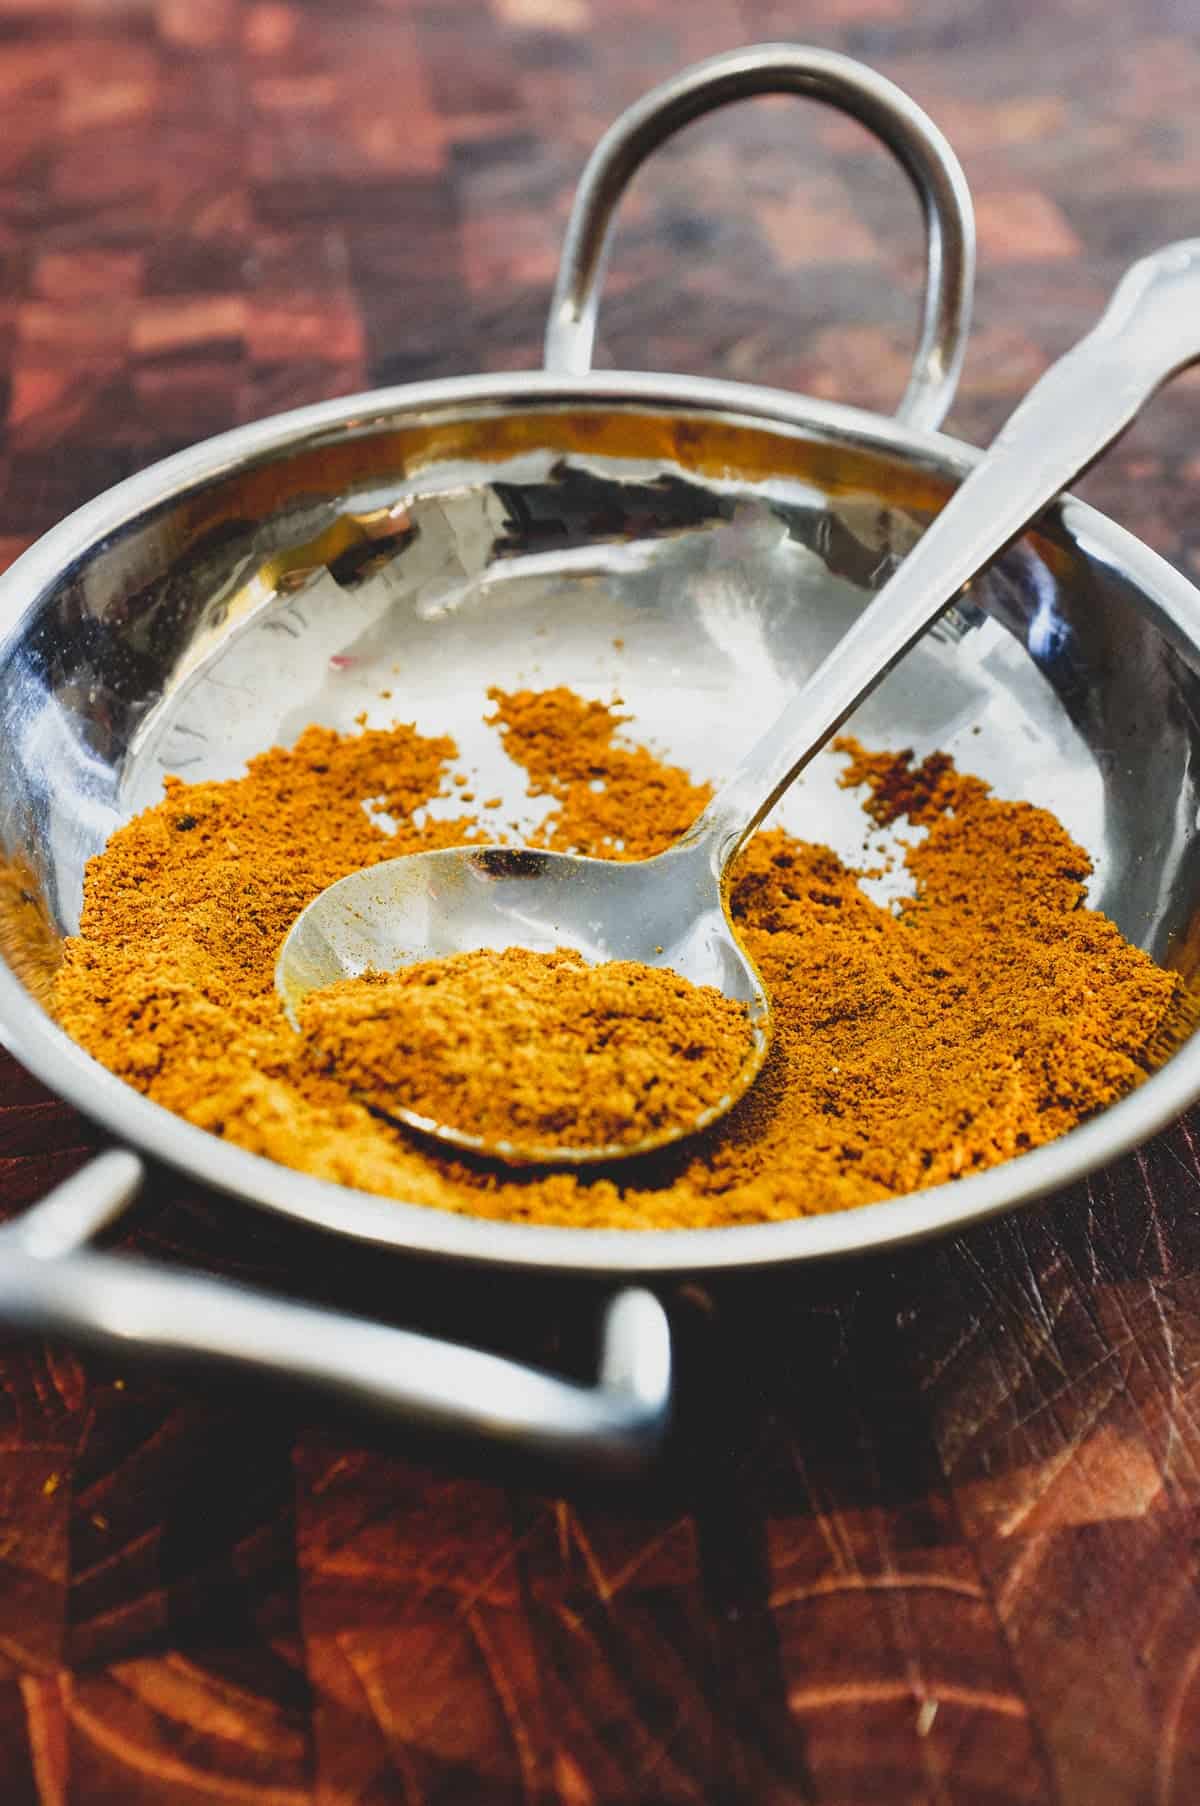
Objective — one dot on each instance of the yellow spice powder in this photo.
(989, 1013)
(541, 1050)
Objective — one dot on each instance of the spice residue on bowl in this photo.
(986, 1014)
(540, 1049)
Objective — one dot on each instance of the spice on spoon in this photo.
(989, 1013)
(540, 1049)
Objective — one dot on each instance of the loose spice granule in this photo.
(988, 1014)
(539, 1049)
(566, 746)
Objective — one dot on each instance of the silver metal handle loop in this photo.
(839, 81)
(52, 1283)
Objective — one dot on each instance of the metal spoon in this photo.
(671, 910)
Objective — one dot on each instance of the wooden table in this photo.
(933, 1532)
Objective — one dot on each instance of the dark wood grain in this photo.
(933, 1531)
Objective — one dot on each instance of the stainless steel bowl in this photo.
(695, 546)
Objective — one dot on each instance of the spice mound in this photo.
(915, 1042)
(534, 1049)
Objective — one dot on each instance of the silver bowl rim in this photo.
(29, 1033)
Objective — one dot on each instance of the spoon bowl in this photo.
(666, 911)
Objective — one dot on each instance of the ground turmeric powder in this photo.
(984, 1015)
(539, 1049)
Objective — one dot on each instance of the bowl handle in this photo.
(839, 81)
(51, 1283)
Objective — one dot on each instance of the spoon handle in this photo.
(1150, 329)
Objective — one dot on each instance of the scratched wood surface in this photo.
(933, 1530)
